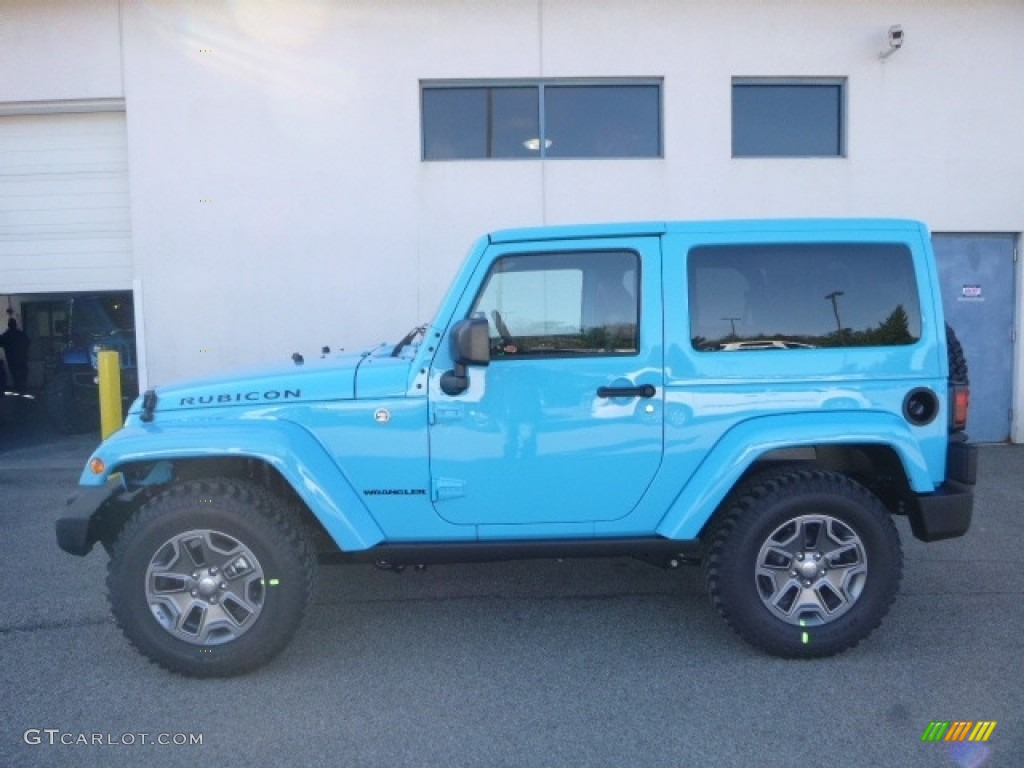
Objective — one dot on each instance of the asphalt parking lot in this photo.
(550, 663)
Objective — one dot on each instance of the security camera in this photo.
(896, 37)
(895, 41)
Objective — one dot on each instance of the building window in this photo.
(541, 119)
(788, 118)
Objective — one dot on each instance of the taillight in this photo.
(960, 403)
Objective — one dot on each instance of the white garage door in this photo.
(64, 216)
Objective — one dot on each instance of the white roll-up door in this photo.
(64, 214)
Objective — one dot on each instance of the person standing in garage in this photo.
(14, 342)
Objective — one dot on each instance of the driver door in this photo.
(564, 427)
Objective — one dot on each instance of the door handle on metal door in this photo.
(646, 390)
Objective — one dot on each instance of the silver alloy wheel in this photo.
(811, 570)
(205, 587)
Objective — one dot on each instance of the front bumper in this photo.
(78, 528)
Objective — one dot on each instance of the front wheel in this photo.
(805, 562)
(211, 578)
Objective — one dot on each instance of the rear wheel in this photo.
(805, 562)
(211, 578)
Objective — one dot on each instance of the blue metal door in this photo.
(977, 276)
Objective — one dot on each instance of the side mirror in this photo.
(470, 342)
(470, 345)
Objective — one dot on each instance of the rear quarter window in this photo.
(801, 296)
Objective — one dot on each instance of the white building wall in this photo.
(54, 50)
(278, 197)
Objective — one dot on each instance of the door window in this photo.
(562, 304)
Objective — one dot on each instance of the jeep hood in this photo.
(335, 378)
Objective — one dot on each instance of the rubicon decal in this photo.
(958, 730)
(241, 397)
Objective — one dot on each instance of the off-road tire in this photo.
(743, 556)
(153, 564)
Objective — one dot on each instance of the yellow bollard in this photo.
(109, 369)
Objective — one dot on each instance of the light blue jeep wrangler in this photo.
(760, 397)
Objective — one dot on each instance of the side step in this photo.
(658, 550)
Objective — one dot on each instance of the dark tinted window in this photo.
(498, 120)
(562, 304)
(803, 295)
(602, 120)
(461, 123)
(780, 119)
